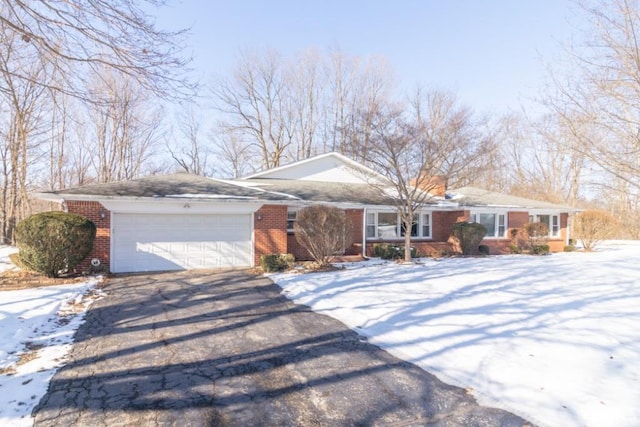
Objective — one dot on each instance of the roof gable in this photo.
(329, 167)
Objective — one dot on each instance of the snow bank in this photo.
(36, 331)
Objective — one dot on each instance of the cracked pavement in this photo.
(224, 348)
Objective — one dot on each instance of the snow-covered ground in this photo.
(36, 331)
(555, 339)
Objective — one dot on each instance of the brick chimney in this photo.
(435, 185)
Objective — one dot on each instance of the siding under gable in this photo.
(327, 168)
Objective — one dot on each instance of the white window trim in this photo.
(289, 211)
(474, 216)
(374, 213)
(558, 235)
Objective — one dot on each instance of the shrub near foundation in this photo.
(322, 231)
(393, 252)
(469, 235)
(591, 227)
(276, 262)
(53, 243)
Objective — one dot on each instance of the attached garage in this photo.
(158, 242)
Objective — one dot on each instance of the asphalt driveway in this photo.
(209, 348)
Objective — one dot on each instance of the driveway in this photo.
(212, 348)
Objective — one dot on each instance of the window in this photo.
(291, 219)
(414, 227)
(502, 225)
(371, 224)
(388, 225)
(555, 225)
(426, 225)
(552, 222)
(496, 223)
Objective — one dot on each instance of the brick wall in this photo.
(353, 240)
(295, 248)
(442, 222)
(270, 231)
(558, 244)
(101, 245)
(515, 221)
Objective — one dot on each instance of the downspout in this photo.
(364, 233)
(65, 208)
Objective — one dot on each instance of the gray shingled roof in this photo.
(472, 196)
(194, 186)
(330, 192)
(161, 186)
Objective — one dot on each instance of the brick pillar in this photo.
(94, 211)
(270, 231)
(354, 240)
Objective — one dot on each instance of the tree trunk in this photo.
(407, 243)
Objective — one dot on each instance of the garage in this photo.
(161, 242)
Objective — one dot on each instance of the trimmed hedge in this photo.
(53, 243)
(540, 249)
(469, 235)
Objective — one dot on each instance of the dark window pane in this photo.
(489, 221)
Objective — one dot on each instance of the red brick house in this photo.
(186, 221)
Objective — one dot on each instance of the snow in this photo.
(208, 196)
(5, 262)
(37, 322)
(555, 339)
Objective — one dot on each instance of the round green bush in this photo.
(540, 249)
(54, 242)
(469, 235)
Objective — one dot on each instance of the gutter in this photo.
(162, 199)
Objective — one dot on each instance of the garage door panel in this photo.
(155, 242)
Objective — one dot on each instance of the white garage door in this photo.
(159, 242)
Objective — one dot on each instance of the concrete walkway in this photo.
(210, 348)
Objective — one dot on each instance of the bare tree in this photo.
(85, 37)
(235, 154)
(457, 143)
(599, 103)
(306, 103)
(357, 90)
(20, 131)
(539, 162)
(321, 230)
(593, 226)
(439, 139)
(125, 127)
(194, 155)
(256, 104)
(291, 110)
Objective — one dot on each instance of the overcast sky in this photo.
(492, 53)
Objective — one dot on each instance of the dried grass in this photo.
(12, 280)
